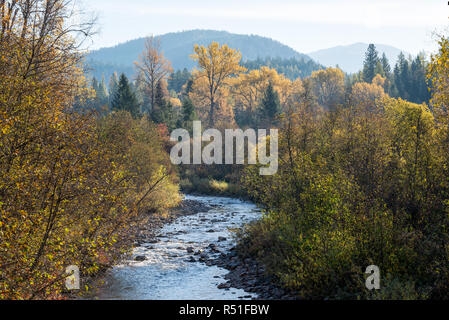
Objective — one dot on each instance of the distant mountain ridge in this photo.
(178, 47)
(350, 58)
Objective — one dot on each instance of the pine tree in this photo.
(95, 84)
(386, 69)
(125, 98)
(188, 115)
(370, 63)
(402, 77)
(419, 91)
(270, 105)
(159, 114)
(159, 98)
(178, 79)
(188, 88)
(102, 93)
(385, 65)
(113, 84)
(168, 115)
(379, 69)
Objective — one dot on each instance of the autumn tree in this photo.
(328, 86)
(439, 79)
(250, 87)
(217, 64)
(67, 196)
(152, 67)
(368, 96)
(40, 80)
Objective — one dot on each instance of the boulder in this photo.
(224, 286)
(140, 258)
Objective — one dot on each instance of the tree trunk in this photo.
(211, 112)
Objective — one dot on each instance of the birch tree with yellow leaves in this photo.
(216, 65)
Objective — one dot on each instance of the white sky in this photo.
(305, 25)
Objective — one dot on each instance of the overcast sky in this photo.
(305, 25)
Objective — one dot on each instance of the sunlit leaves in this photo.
(216, 65)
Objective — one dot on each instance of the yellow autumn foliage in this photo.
(70, 190)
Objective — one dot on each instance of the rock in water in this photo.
(191, 259)
(224, 286)
(140, 258)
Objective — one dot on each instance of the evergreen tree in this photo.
(379, 69)
(160, 112)
(168, 116)
(386, 68)
(188, 89)
(270, 105)
(188, 115)
(159, 98)
(370, 64)
(385, 65)
(419, 91)
(125, 98)
(95, 84)
(113, 84)
(402, 77)
(178, 79)
(102, 93)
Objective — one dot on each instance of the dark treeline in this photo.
(178, 79)
(406, 79)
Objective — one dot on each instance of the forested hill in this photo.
(178, 47)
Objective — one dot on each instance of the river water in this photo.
(167, 273)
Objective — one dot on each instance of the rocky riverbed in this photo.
(248, 275)
(148, 232)
(191, 255)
